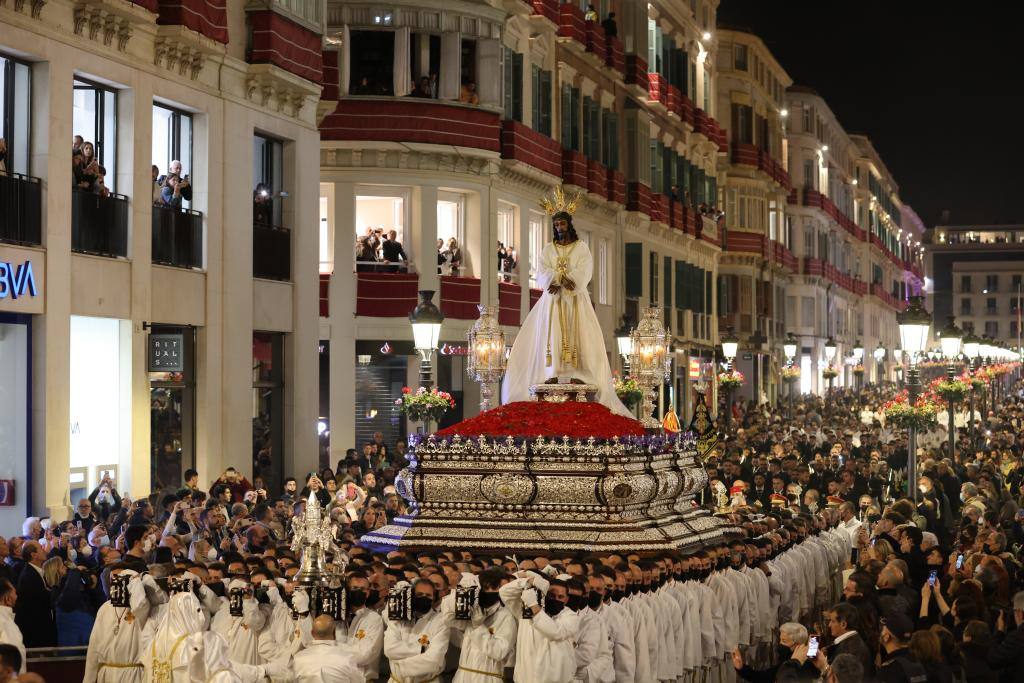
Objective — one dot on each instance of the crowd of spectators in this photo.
(173, 187)
(87, 174)
(377, 251)
(901, 588)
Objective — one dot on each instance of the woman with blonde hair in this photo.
(54, 570)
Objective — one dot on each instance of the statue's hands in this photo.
(569, 284)
(553, 289)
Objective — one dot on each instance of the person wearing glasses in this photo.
(84, 518)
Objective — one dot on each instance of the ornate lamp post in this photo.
(950, 340)
(789, 348)
(830, 356)
(426, 321)
(879, 355)
(486, 362)
(730, 345)
(649, 361)
(972, 346)
(914, 324)
(858, 357)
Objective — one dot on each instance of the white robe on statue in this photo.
(583, 355)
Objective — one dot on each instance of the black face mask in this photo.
(577, 602)
(553, 607)
(631, 589)
(594, 600)
(372, 598)
(645, 588)
(488, 599)
(217, 587)
(422, 604)
(618, 595)
(356, 598)
(784, 652)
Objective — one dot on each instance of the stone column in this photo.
(341, 294)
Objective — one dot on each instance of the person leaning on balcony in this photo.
(158, 186)
(467, 95)
(591, 14)
(186, 181)
(610, 26)
(170, 194)
(454, 256)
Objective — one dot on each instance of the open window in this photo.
(379, 210)
(94, 118)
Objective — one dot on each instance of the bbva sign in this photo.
(17, 280)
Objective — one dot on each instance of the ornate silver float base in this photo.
(542, 495)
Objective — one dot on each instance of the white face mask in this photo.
(211, 554)
(102, 541)
(72, 554)
(147, 545)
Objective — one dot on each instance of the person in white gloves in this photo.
(544, 643)
(324, 661)
(362, 633)
(489, 637)
(241, 632)
(114, 645)
(415, 649)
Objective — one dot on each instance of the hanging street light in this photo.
(486, 361)
(426, 321)
(914, 323)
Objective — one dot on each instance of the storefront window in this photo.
(268, 408)
(172, 411)
(15, 404)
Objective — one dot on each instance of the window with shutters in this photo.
(742, 126)
(570, 113)
(541, 100)
(655, 43)
(657, 166)
(707, 91)
(512, 71)
(740, 56)
(634, 254)
(668, 164)
(610, 140)
(653, 279)
(538, 237)
(807, 311)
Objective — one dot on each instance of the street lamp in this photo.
(650, 363)
(914, 322)
(730, 345)
(858, 357)
(879, 354)
(830, 355)
(789, 348)
(426, 321)
(486, 361)
(950, 340)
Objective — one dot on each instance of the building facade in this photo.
(451, 123)
(978, 272)
(757, 262)
(859, 257)
(140, 337)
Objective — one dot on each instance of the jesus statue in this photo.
(561, 336)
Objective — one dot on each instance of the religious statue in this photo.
(561, 337)
(314, 537)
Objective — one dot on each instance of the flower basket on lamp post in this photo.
(424, 406)
(920, 416)
(629, 391)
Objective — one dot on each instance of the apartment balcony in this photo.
(597, 178)
(99, 225)
(638, 198)
(745, 154)
(509, 294)
(636, 72)
(386, 295)
(391, 119)
(547, 9)
(660, 210)
(657, 89)
(676, 216)
(704, 125)
(460, 297)
(744, 242)
(574, 168)
(522, 144)
(782, 256)
(595, 39)
(615, 56)
(680, 105)
(325, 283)
(617, 187)
(271, 252)
(572, 25)
(177, 237)
(813, 266)
(209, 19)
(20, 209)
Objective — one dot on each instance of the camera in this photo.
(332, 601)
(235, 598)
(465, 600)
(400, 604)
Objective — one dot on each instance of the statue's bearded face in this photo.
(561, 226)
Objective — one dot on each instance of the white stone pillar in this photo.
(341, 293)
(51, 401)
(424, 201)
(525, 255)
(451, 59)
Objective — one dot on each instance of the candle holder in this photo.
(486, 361)
(649, 361)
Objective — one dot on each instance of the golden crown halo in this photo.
(558, 202)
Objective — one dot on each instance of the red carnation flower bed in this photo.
(531, 419)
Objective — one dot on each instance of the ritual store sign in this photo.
(166, 353)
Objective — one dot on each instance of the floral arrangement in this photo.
(829, 372)
(628, 390)
(423, 406)
(921, 415)
(541, 418)
(955, 389)
(791, 373)
(858, 369)
(731, 379)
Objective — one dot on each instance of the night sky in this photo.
(935, 86)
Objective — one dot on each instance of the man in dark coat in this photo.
(843, 622)
(33, 612)
(1008, 653)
